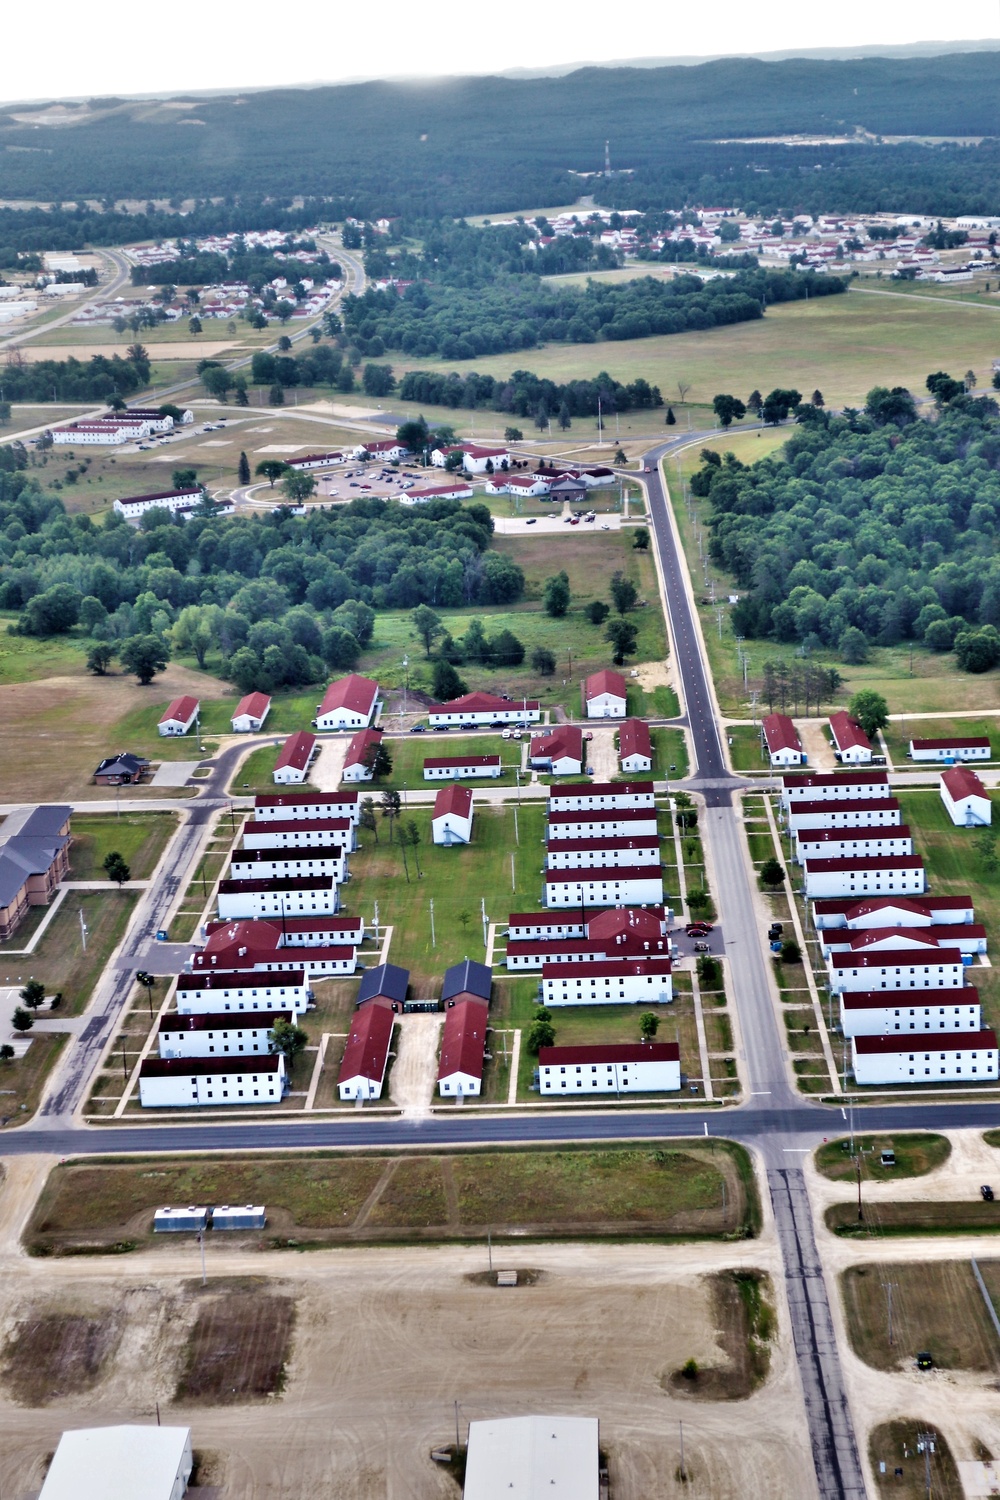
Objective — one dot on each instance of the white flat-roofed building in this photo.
(120, 1463)
(297, 833)
(601, 796)
(966, 800)
(350, 703)
(781, 740)
(181, 1082)
(587, 854)
(462, 767)
(366, 1055)
(844, 843)
(610, 825)
(967, 937)
(851, 745)
(283, 864)
(876, 1013)
(251, 711)
(622, 885)
(893, 911)
(309, 804)
(834, 786)
(953, 1057)
(896, 969)
(209, 1033)
(860, 812)
(616, 981)
(180, 1220)
(293, 897)
(959, 747)
(896, 875)
(534, 1458)
(134, 507)
(624, 1068)
(483, 709)
(208, 992)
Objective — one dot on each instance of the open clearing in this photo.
(52, 1355)
(237, 1348)
(895, 1445)
(916, 1155)
(139, 838)
(746, 1324)
(936, 1305)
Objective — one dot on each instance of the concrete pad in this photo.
(328, 767)
(175, 772)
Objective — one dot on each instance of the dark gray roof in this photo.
(125, 764)
(45, 822)
(22, 858)
(467, 978)
(387, 979)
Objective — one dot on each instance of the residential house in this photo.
(34, 858)
(851, 745)
(366, 1055)
(558, 751)
(610, 1068)
(953, 1057)
(178, 717)
(781, 740)
(965, 798)
(635, 747)
(295, 757)
(604, 695)
(350, 703)
(250, 714)
(451, 821)
(123, 769)
(184, 1082)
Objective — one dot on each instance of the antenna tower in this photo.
(607, 158)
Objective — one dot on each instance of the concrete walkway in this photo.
(414, 1073)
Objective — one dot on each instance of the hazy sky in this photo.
(68, 51)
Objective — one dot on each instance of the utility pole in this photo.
(861, 1215)
(433, 939)
(683, 1470)
(482, 908)
(889, 1286)
(83, 931)
(925, 1445)
(513, 882)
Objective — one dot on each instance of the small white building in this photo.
(477, 458)
(184, 1082)
(860, 812)
(350, 703)
(310, 895)
(617, 981)
(366, 1055)
(295, 833)
(462, 767)
(250, 714)
(212, 1033)
(311, 461)
(137, 1462)
(834, 786)
(635, 747)
(359, 762)
(953, 1057)
(179, 716)
(610, 825)
(965, 798)
(460, 490)
(213, 991)
(896, 875)
(463, 1046)
(623, 885)
(451, 821)
(533, 1457)
(875, 1013)
(781, 740)
(531, 486)
(385, 449)
(288, 805)
(477, 710)
(625, 1068)
(604, 695)
(558, 751)
(295, 757)
(845, 843)
(591, 854)
(851, 745)
(959, 747)
(602, 797)
(281, 864)
(919, 967)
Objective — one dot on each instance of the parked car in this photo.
(925, 1360)
(698, 929)
(531, 521)
(419, 729)
(701, 948)
(987, 1193)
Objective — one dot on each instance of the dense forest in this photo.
(100, 378)
(244, 263)
(496, 144)
(284, 599)
(875, 526)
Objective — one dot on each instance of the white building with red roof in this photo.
(311, 461)
(242, 989)
(842, 843)
(893, 911)
(965, 798)
(589, 854)
(250, 713)
(184, 1081)
(295, 757)
(893, 875)
(451, 820)
(617, 885)
(859, 812)
(781, 740)
(359, 761)
(950, 1057)
(477, 709)
(134, 507)
(897, 962)
(879, 1013)
(462, 767)
(211, 1032)
(262, 864)
(463, 1045)
(604, 695)
(602, 797)
(288, 805)
(178, 716)
(958, 747)
(293, 896)
(350, 703)
(635, 747)
(387, 449)
(477, 458)
(615, 981)
(282, 833)
(531, 486)
(366, 1055)
(610, 1068)
(851, 745)
(460, 489)
(601, 825)
(558, 751)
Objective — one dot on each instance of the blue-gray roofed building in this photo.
(34, 857)
(387, 983)
(467, 978)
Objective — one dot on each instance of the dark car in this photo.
(925, 1360)
(698, 929)
(987, 1193)
(701, 948)
(419, 729)
(440, 728)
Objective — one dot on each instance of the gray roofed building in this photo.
(33, 860)
(121, 769)
(384, 982)
(467, 978)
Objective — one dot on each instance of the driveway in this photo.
(328, 767)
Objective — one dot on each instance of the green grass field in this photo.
(59, 961)
(916, 1155)
(139, 838)
(409, 753)
(899, 734)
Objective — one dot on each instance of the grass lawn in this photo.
(656, 703)
(23, 658)
(899, 734)
(936, 1305)
(256, 773)
(59, 960)
(22, 1080)
(670, 756)
(410, 751)
(140, 838)
(916, 1155)
(895, 1445)
(934, 1217)
(745, 749)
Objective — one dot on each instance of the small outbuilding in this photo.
(295, 757)
(851, 745)
(965, 798)
(178, 717)
(781, 740)
(635, 747)
(359, 762)
(386, 983)
(604, 695)
(451, 822)
(180, 1220)
(250, 714)
(467, 980)
(246, 1216)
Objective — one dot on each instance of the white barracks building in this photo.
(952, 1057)
(876, 1013)
(628, 981)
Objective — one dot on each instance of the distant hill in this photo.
(476, 144)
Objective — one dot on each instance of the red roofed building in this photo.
(966, 799)
(460, 490)
(451, 821)
(484, 708)
(781, 740)
(462, 767)
(604, 695)
(888, 875)
(622, 980)
(894, 911)
(360, 758)
(463, 1043)
(476, 459)
(295, 757)
(961, 747)
(947, 1057)
(348, 704)
(559, 752)
(315, 461)
(366, 1055)
(179, 716)
(623, 1068)
(635, 747)
(251, 712)
(834, 786)
(850, 743)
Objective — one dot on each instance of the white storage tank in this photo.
(249, 1216)
(167, 1220)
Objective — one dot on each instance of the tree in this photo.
(853, 646)
(409, 835)
(99, 658)
(778, 404)
(870, 710)
(687, 813)
(390, 806)
(428, 626)
(597, 611)
(671, 420)
(271, 469)
(33, 994)
(505, 650)
(184, 479)
(728, 409)
(195, 630)
(217, 381)
(288, 1039)
(447, 684)
(977, 650)
(367, 817)
(340, 649)
(622, 636)
(513, 435)
(115, 868)
(791, 953)
(621, 457)
(772, 872)
(755, 402)
(649, 1025)
(194, 325)
(640, 539)
(6, 1052)
(540, 1034)
(283, 310)
(454, 461)
(970, 380)
(564, 418)
(817, 398)
(297, 487)
(22, 1020)
(243, 472)
(144, 655)
(378, 760)
(623, 593)
(543, 661)
(276, 396)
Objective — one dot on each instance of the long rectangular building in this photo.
(895, 875)
(856, 812)
(845, 843)
(892, 911)
(184, 1081)
(366, 1055)
(623, 822)
(897, 969)
(274, 898)
(952, 1057)
(286, 805)
(878, 1013)
(958, 747)
(967, 937)
(534, 953)
(461, 767)
(210, 1033)
(624, 1068)
(618, 981)
(622, 885)
(293, 833)
(648, 922)
(204, 993)
(834, 786)
(601, 796)
(282, 864)
(588, 854)
(309, 932)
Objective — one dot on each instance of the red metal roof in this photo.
(296, 751)
(858, 804)
(254, 706)
(956, 742)
(626, 967)
(928, 1042)
(878, 834)
(574, 789)
(481, 703)
(604, 873)
(357, 750)
(456, 762)
(187, 1067)
(309, 799)
(639, 921)
(835, 778)
(181, 710)
(356, 694)
(367, 1049)
(939, 934)
(564, 742)
(226, 1020)
(604, 681)
(961, 994)
(160, 495)
(960, 783)
(602, 814)
(847, 732)
(780, 733)
(622, 1052)
(298, 825)
(634, 739)
(464, 1039)
(221, 979)
(453, 798)
(881, 862)
(896, 958)
(576, 846)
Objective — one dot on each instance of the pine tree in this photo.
(244, 469)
